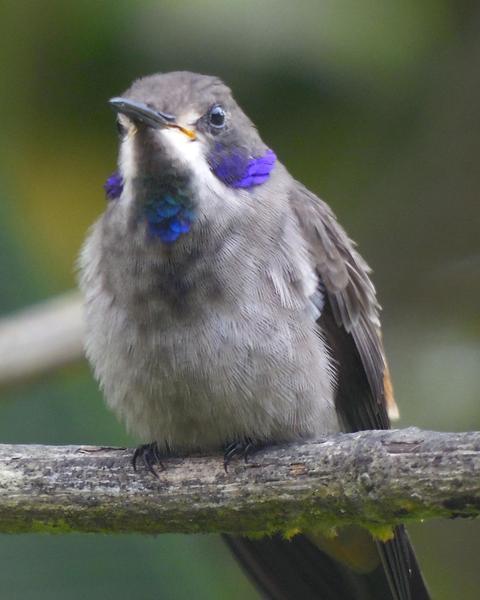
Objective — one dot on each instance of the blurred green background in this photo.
(375, 105)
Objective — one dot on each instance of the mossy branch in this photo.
(373, 478)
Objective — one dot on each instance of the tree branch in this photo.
(374, 478)
(41, 338)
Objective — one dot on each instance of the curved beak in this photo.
(141, 113)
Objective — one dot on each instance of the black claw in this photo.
(150, 455)
(249, 449)
(243, 448)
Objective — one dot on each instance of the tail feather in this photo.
(401, 567)
(292, 569)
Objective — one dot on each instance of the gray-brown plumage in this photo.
(225, 305)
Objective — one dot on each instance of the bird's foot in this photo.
(150, 456)
(243, 448)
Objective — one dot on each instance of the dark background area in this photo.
(375, 105)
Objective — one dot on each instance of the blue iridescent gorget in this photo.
(171, 214)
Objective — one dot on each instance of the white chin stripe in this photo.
(127, 162)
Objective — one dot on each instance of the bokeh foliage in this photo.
(374, 105)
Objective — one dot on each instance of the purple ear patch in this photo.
(258, 170)
(237, 170)
(113, 186)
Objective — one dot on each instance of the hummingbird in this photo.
(227, 309)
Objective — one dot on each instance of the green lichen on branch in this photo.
(376, 479)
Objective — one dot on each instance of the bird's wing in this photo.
(350, 324)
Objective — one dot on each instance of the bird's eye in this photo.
(216, 116)
(122, 130)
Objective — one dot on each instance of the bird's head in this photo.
(183, 136)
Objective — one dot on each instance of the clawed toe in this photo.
(243, 448)
(150, 456)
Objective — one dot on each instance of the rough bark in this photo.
(375, 478)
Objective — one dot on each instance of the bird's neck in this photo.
(166, 205)
(169, 215)
(167, 201)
